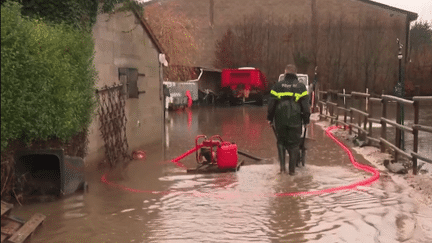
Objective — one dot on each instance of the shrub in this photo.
(48, 78)
(80, 14)
(77, 13)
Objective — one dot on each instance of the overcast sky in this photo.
(422, 7)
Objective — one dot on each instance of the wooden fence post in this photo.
(320, 105)
(359, 122)
(365, 118)
(383, 124)
(370, 110)
(367, 101)
(398, 131)
(346, 107)
(337, 109)
(331, 114)
(327, 107)
(415, 133)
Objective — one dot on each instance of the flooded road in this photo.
(159, 202)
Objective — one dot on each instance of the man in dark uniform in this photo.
(289, 107)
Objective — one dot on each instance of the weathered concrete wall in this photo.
(121, 42)
(213, 17)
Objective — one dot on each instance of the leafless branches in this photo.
(176, 34)
(355, 54)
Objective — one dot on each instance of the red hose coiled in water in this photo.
(366, 168)
(352, 186)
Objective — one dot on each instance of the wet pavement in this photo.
(159, 202)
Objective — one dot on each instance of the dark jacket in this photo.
(289, 102)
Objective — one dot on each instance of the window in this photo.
(129, 78)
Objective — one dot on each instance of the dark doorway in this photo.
(38, 174)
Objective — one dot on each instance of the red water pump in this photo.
(216, 151)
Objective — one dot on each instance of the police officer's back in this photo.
(289, 107)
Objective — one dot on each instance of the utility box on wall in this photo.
(42, 172)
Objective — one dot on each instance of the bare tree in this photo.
(260, 41)
(226, 50)
(301, 45)
(175, 32)
(419, 68)
(353, 55)
(419, 71)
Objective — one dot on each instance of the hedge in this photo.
(47, 78)
(80, 14)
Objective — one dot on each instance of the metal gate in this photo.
(113, 120)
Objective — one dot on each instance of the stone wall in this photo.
(121, 42)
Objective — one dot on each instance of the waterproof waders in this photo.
(288, 138)
(289, 109)
(293, 158)
(281, 153)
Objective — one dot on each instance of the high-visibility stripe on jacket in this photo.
(288, 103)
(297, 96)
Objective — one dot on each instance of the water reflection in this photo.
(288, 219)
(425, 119)
(233, 207)
(221, 214)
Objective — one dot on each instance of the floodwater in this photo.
(160, 202)
(425, 119)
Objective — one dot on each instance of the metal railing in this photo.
(361, 120)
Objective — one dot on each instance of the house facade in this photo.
(126, 52)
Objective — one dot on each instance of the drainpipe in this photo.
(162, 62)
(199, 76)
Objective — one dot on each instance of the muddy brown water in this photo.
(425, 119)
(234, 207)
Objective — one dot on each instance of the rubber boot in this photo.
(281, 153)
(294, 155)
